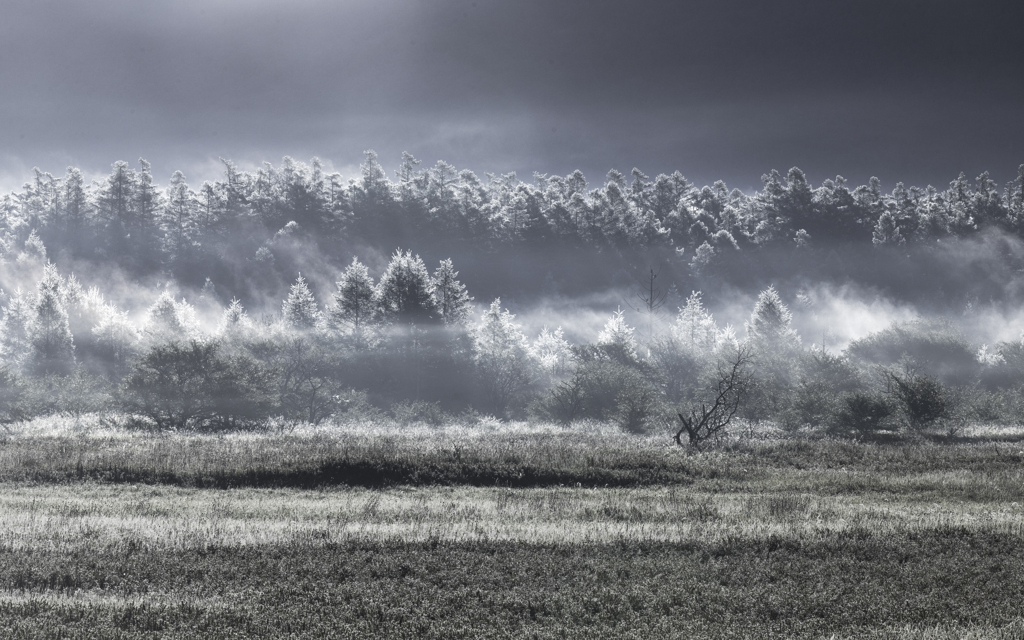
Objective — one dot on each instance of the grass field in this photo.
(503, 531)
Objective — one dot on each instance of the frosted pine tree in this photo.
(452, 298)
(886, 231)
(146, 205)
(405, 291)
(695, 328)
(768, 329)
(617, 337)
(299, 309)
(117, 340)
(170, 321)
(235, 322)
(179, 219)
(552, 352)
(353, 310)
(208, 301)
(702, 258)
(14, 336)
(688, 359)
(775, 354)
(52, 349)
(236, 315)
(504, 361)
(33, 250)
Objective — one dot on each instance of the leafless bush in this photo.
(705, 421)
(567, 399)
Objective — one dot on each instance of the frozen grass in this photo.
(927, 584)
(490, 454)
(496, 531)
(73, 519)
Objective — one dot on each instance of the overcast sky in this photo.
(906, 90)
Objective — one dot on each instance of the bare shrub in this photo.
(706, 420)
(566, 401)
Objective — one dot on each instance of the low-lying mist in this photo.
(284, 292)
(825, 315)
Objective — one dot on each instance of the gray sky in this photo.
(907, 90)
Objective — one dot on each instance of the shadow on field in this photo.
(381, 474)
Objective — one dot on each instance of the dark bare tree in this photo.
(705, 421)
(652, 299)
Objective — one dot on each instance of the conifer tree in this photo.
(235, 321)
(552, 352)
(179, 219)
(617, 337)
(695, 328)
(354, 308)
(33, 250)
(117, 340)
(75, 205)
(886, 231)
(768, 328)
(404, 294)
(775, 352)
(115, 206)
(49, 333)
(451, 296)
(504, 360)
(702, 257)
(300, 310)
(170, 321)
(14, 330)
(146, 205)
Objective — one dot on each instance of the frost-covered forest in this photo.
(278, 295)
(252, 232)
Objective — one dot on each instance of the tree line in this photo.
(249, 224)
(410, 346)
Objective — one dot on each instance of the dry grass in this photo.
(492, 531)
(67, 519)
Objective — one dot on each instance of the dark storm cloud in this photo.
(913, 91)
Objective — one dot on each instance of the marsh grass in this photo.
(928, 585)
(496, 531)
(71, 519)
(489, 454)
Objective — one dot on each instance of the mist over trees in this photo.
(251, 232)
(409, 346)
(327, 318)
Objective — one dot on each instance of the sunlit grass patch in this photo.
(71, 518)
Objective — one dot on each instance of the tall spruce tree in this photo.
(52, 349)
(404, 294)
(354, 308)
(14, 330)
(452, 299)
(300, 310)
(504, 360)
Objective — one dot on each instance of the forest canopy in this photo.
(252, 232)
(279, 294)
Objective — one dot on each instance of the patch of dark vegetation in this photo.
(297, 462)
(855, 584)
(538, 460)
